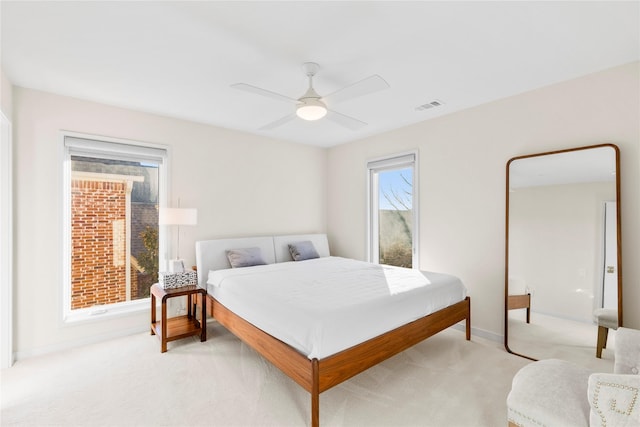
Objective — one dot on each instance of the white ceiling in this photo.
(179, 59)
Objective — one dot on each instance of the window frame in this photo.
(381, 164)
(102, 312)
(6, 242)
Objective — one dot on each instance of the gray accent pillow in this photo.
(245, 257)
(301, 251)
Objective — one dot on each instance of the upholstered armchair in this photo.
(558, 393)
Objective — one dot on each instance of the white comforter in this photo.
(325, 305)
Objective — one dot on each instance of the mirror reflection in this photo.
(563, 290)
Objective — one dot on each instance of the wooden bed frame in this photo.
(315, 375)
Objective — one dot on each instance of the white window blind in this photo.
(113, 150)
(392, 162)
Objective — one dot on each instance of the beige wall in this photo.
(241, 185)
(462, 161)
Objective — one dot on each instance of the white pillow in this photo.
(301, 251)
(245, 257)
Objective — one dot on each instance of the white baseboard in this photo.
(482, 333)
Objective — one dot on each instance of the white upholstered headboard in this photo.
(211, 254)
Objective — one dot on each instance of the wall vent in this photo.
(429, 105)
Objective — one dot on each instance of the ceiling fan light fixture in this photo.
(311, 109)
(311, 106)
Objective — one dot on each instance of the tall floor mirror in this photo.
(563, 287)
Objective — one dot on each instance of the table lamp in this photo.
(178, 217)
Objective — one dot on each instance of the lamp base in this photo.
(176, 266)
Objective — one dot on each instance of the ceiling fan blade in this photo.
(278, 122)
(264, 92)
(346, 121)
(366, 86)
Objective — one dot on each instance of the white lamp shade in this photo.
(178, 216)
(311, 109)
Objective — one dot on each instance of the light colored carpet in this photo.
(549, 337)
(443, 381)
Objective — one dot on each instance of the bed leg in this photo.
(468, 320)
(315, 394)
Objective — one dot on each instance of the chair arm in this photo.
(614, 400)
(627, 351)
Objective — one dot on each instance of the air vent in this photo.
(429, 105)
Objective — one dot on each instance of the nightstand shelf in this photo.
(175, 328)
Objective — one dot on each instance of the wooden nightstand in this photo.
(175, 328)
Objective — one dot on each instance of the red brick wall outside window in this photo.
(98, 273)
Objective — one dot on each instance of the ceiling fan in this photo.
(312, 106)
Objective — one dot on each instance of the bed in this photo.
(313, 350)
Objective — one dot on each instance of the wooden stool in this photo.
(607, 319)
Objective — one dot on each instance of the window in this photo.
(393, 211)
(112, 193)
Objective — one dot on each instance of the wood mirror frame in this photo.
(523, 301)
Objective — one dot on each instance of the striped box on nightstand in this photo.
(177, 280)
